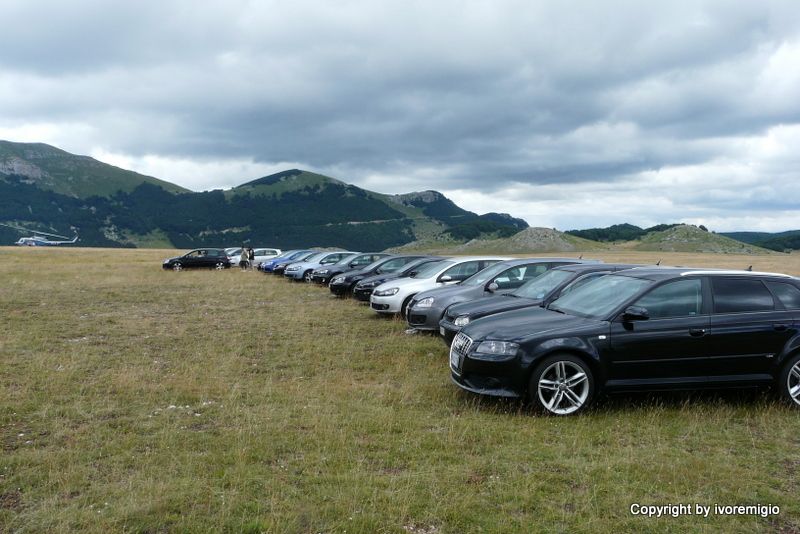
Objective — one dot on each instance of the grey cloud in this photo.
(491, 93)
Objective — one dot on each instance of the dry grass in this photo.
(140, 400)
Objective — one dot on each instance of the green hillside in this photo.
(53, 169)
(688, 238)
(108, 206)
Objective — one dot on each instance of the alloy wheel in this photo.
(563, 387)
(177, 267)
(793, 383)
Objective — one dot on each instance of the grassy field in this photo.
(133, 399)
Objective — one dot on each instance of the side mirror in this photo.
(491, 288)
(635, 313)
(446, 278)
(412, 274)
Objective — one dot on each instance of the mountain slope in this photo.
(688, 238)
(53, 169)
(46, 189)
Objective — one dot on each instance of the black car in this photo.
(324, 274)
(641, 329)
(344, 283)
(537, 292)
(362, 290)
(213, 258)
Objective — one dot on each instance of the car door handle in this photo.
(780, 327)
(697, 332)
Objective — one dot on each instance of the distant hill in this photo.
(46, 189)
(618, 232)
(529, 240)
(778, 241)
(688, 238)
(53, 169)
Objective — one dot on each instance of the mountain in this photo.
(689, 238)
(618, 232)
(779, 241)
(530, 240)
(53, 169)
(46, 189)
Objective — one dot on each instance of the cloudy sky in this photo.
(568, 114)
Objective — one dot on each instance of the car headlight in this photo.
(322, 271)
(292, 268)
(337, 280)
(367, 285)
(387, 292)
(427, 302)
(461, 320)
(497, 348)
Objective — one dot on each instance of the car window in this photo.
(680, 298)
(732, 295)
(788, 294)
(462, 270)
(392, 265)
(581, 281)
(516, 276)
(430, 269)
(539, 287)
(599, 297)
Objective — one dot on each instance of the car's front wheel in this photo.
(789, 381)
(177, 266)
(219, 266)
(307, 276)
(562, 384)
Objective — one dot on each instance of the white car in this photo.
(262, 254)
(395, 295)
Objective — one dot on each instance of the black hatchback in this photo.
(212, 258)
(640, 329)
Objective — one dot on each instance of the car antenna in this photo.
(749, 268)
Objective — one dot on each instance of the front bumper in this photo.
(424, 318)
(498, 378)
(362, 293)
(385, 304)
(293, 275)
(320, 278)
(339, 289)
(448, 331)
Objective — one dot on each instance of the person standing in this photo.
(243, 258)
(251, 257)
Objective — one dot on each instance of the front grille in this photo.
(380, 307)
(458, 349)
(416, 318)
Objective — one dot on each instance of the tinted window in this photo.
(600, 296)
(392, 265)
(462, 270)
(674, 299)
(581, 281)
(733, 295)
(788, 294)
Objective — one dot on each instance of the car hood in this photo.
(172, 259)
(526, 324)
(412, 284)
(444, 296)
(377, 277)
(490, 305)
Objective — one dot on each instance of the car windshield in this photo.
(486, 274)
(298, 255)
(542, 285)
(314, 257)
(599, 297)
(388, 265)
(347, 259)
(433, 268)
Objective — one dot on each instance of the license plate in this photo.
(454, 360)
(441, 331)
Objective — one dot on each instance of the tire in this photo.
(307, 276)
(549, 388)
(219, 266)
(177, 266)
(789, 381)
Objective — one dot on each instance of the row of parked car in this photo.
(560, 331)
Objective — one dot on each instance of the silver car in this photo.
(302, 270)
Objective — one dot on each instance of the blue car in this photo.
(290, 255)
